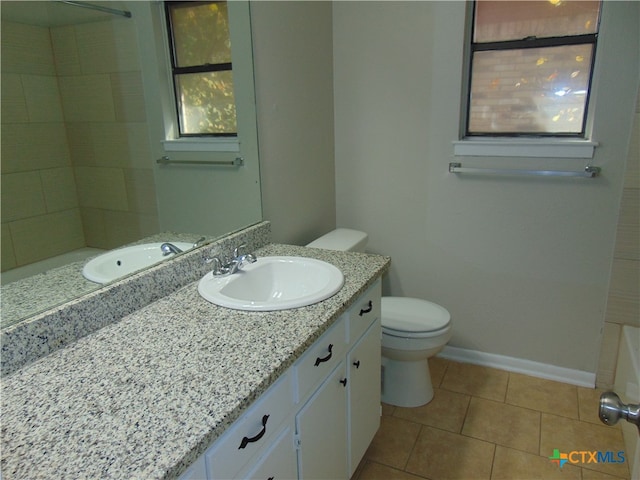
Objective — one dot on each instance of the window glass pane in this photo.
(515, 20)
(534, 90)
(206, 103)
(201, 33)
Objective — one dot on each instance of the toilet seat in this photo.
(404, 334)
(413, 317)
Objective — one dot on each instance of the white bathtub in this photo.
(627, 386)
(47, 264)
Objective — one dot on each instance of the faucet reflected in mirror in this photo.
(77, 160)
(169, 248)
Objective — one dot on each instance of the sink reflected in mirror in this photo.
(118, 263)
(75, 176)
(273, 283)
(50, 285)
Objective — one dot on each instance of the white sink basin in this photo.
(273, 283)
(120, 262)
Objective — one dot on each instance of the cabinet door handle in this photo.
(327, 358)
(356, 364)
(246, 440)
(368, 309)
(343, 382)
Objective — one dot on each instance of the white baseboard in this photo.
(519, 365)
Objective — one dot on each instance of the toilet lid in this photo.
(413, 315)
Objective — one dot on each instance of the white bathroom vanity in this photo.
(171, 390)
(319, 417)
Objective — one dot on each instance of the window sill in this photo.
(517, 147)
(202, 145)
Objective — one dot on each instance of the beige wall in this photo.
(76, 167)
(294, 94)
(523, 264)
(623, 301)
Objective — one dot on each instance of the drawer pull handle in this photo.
(356, 364)
(328, 357)
(343, 382)
(368, 309)
(246, 441)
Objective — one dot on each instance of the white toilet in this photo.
(413, 330)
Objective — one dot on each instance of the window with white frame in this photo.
(530, 68)
(201, 67)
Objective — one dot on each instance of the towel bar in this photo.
(237, 162)
(589, 171)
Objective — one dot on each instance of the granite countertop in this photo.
(145, 396)
(29, 296)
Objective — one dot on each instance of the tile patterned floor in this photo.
(485, 423)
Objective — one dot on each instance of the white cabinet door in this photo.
(322, 430)
(364, 393)
(278, 462)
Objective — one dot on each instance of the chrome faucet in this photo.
(221, 269)
(169, 248)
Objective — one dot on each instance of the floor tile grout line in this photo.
(510, 447)
(495, 445)
(530, 409)
(591, 470)
(505, 401)
(540, 433)
(506, 391)
(470, 397)
(493, 460)
(413, 447)
(466, 414)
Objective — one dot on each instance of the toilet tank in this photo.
(344, 239)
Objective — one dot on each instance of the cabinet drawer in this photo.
(364, 311)
(321, 358)
(278, 462)
(252, 431)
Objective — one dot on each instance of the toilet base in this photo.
(406, 384)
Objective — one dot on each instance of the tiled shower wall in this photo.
(40, 211)
(623, 304)
(76, 166)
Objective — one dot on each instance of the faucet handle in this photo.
(218, 269)
(236, 251)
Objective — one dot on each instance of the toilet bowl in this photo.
(413, 330)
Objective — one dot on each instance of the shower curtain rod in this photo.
(113, 11)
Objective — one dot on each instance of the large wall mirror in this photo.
(84, 121)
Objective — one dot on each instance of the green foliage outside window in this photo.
(202, 71)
